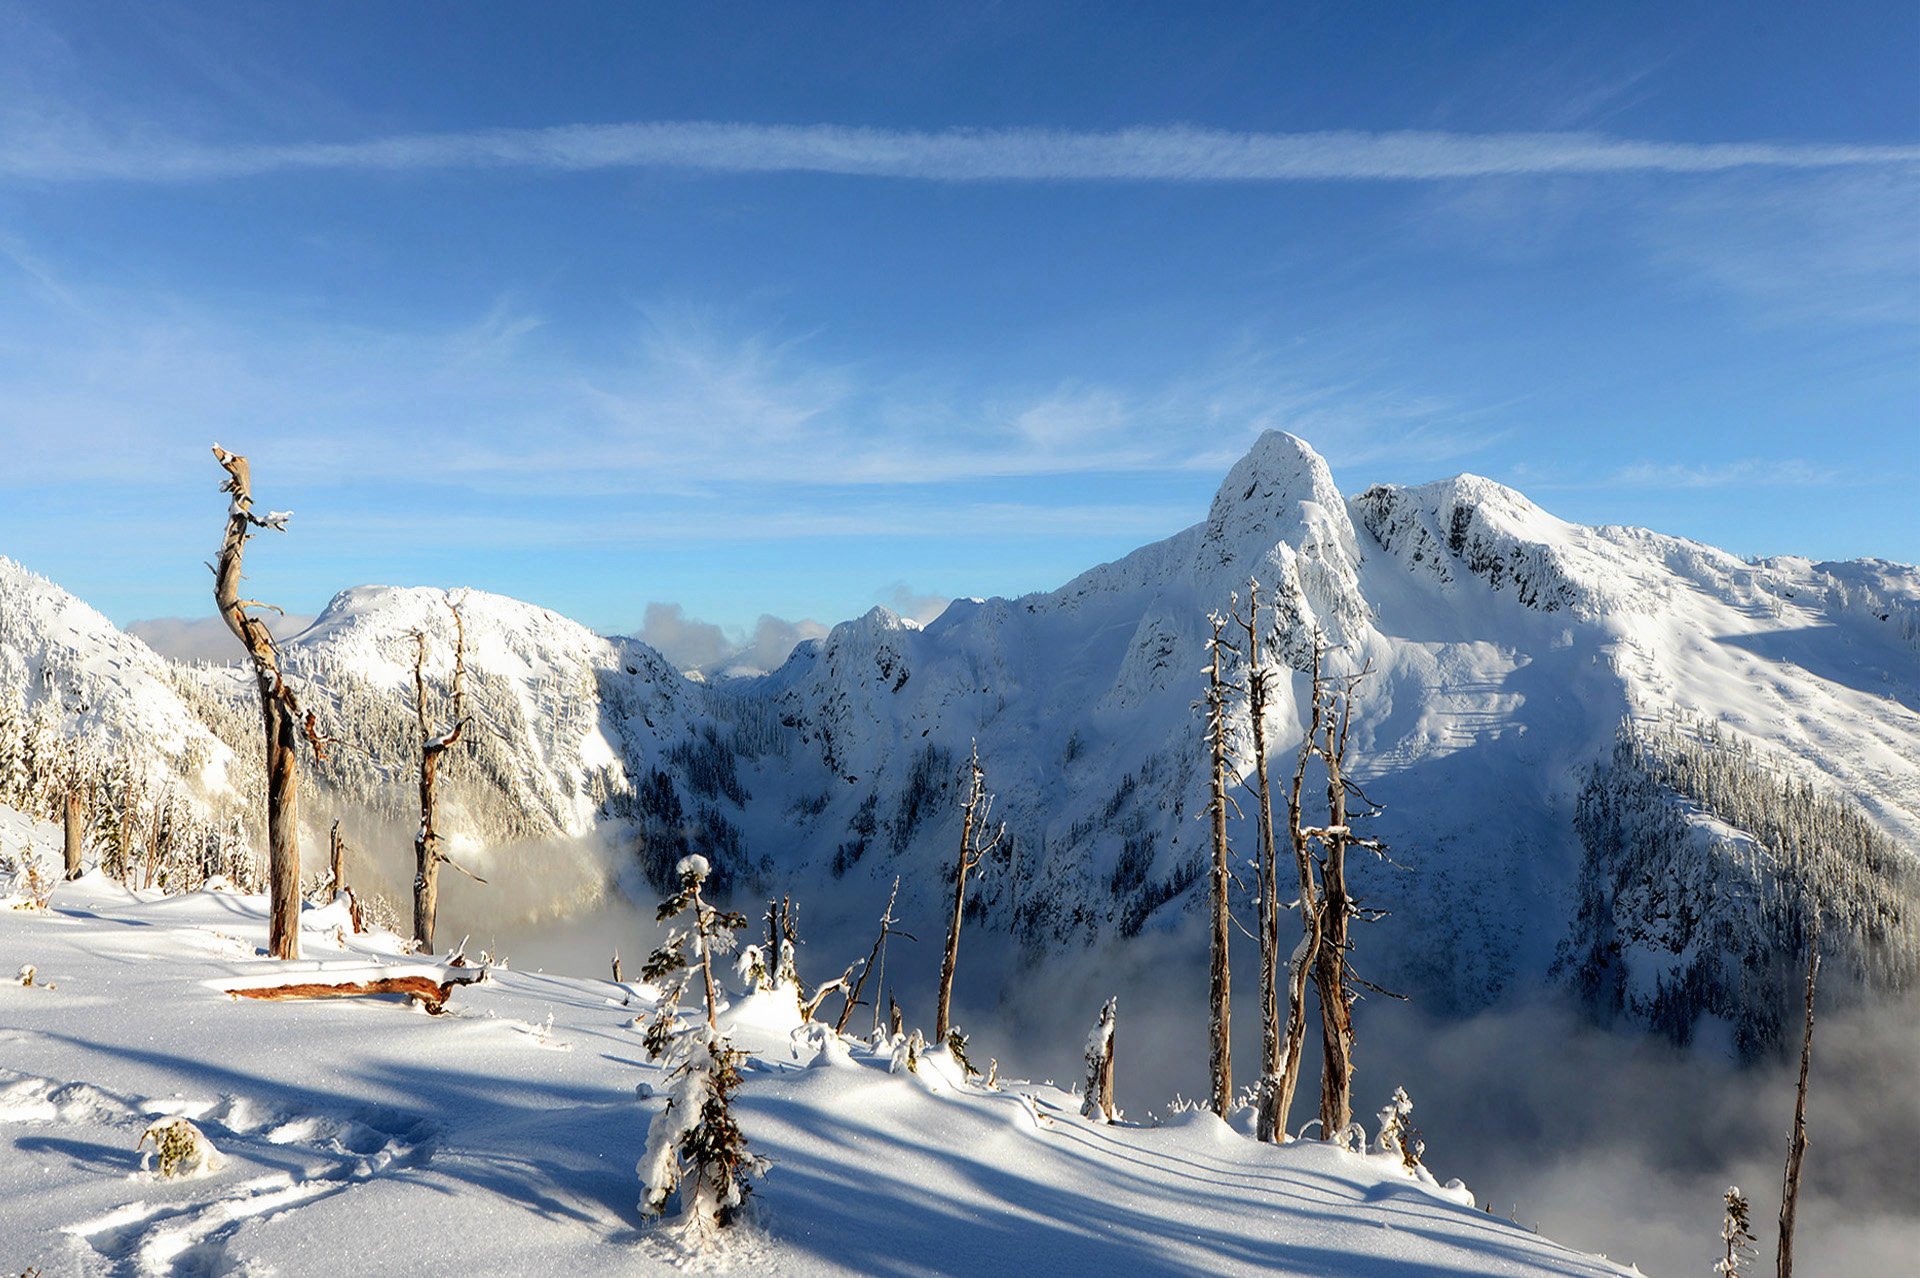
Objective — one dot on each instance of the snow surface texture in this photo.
(360, 1136)
(1508, 645)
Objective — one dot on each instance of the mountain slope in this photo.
(501, 1138)
(1506, 648)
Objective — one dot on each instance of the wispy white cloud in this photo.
(1786, 472)
(206, 638)
(1174, 153)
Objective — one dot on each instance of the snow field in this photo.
(361, 1135)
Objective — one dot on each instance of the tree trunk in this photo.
(1330, 967)
(338, 859)
(75, 824)
(1099, 1098)
(1219, 990)
(426, 859)
(1306, 955)
(427, 856)
(942, 1017)
(283, 830)
(701, 921)
(279, 710)
(1271, 1123)
(1797, 1148)
(942, 1020)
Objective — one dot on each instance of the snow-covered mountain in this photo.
(1506, 647)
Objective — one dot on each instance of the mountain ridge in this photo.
(1508, 647)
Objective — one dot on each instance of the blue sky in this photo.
(792, 309)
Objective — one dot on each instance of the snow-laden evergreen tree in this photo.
(694, 1146)
(1398, 1136)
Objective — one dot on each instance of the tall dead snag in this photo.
(977, 842)
(1219, 993)
(1797, 1147)
(1099, 1099)
(279, 709)
(427, 856)
(1271, 1124)
(75, 826)
(1307, 953)
(1337, 911)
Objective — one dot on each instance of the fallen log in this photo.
(425, 990)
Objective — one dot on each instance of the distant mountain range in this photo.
(1621, 762)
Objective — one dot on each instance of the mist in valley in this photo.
(1610, 1141)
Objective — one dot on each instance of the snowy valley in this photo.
(1619, 774)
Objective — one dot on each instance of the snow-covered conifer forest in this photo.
(1555, 812)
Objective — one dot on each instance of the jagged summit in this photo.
(1279, 517)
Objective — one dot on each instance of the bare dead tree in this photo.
(1271, 1122)
(810, 1003)
(76, 822)
(279, 708)
(1338, 909)
(427, 856)
(1336, 914)
(876, 960)
(1306, 954)
(783, 945)
(1099, 1055)
(1797, 1147)
(978, 840)
(1219, 991)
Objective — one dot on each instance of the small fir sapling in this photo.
(906, 1053)
(180, 1148)
(1736, 1235)
(1398, 1136)
(1098, 1103)
(694, 1145)
(957, 1047)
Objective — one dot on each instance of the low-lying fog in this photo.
(1608, 1141)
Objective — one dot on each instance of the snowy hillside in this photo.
(64, 664)
(363, 1136)
(1507, 648)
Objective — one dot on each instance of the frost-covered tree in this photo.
(694, 1146)
(1398, 1136)
(979, 837)
(1098, 1102)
